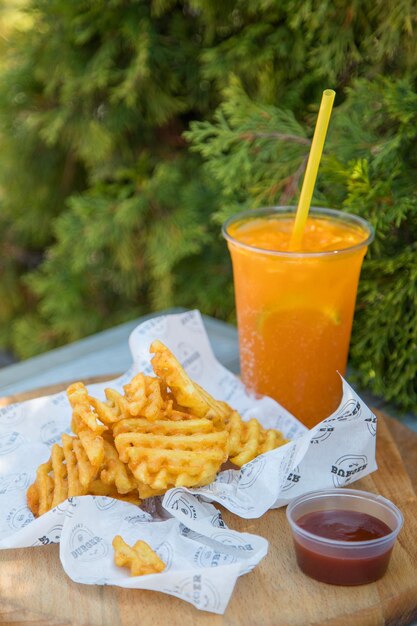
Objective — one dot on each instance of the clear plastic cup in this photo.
(336, 561)
(295, 309)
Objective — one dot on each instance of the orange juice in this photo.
(295, 309)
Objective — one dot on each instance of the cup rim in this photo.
(281, 210)
(354, 494)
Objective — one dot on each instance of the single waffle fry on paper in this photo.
(139, 558)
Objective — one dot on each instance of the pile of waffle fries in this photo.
(163, 432)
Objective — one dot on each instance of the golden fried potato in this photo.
(63, 476)
(163, 468)
(32, 498)
(165, 453)
(93, 446)
(140, 558)
(82, 409)
(164, 426)
(99, 488)
(115, 473)
(144, 396)
(111, 411)
(70, 473)
(187, 393)
(249, 439)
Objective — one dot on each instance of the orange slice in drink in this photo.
(302, 317)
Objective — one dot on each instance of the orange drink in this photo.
(295, 308)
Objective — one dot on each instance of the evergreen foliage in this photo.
(130, 129)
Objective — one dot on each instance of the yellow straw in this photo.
(312, 168)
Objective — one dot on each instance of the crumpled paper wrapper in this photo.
(204, 558)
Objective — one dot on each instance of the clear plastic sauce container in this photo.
(343, 536)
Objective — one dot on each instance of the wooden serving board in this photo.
(35, 591)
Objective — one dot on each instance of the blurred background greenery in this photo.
(131, 129)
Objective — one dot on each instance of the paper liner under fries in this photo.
(203, 557)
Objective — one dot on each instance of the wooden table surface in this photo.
(35, 591)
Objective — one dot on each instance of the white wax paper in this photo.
(204, 558)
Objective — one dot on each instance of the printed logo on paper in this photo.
(351, 410)
(14, 482)
(228, 538)
(86, 545)
(371, 423)
(140, 518)
(190, 359)
(10, 415)
(250, 472)
(192, 321)
(217, 521)
(59, 398)
(66, 507)
(51, 433)
(165, 553)
(292, 479)
(52, 536)
(207, 557)
(157, 326)
(347, 467)
(199, 591)
(227, 477)
(178, 501)
(20, 517)
(9, 442)
(103, 503)
(324, 432)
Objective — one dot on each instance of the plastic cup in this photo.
(295, 310)
(343, 562)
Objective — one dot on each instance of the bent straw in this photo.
(312, 167)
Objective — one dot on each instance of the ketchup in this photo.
(339, 568)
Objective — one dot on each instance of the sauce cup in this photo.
(337, 561)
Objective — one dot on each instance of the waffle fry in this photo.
(164, 426)
(111, 411)
(140, 558)
(85, 424)
(249, 439)
(187, 393)
(115, 473)
(69, 473)
(80, 402)
(58, 478)
(99, 488)
(93, 446)
(165, 453)
(144, 396)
